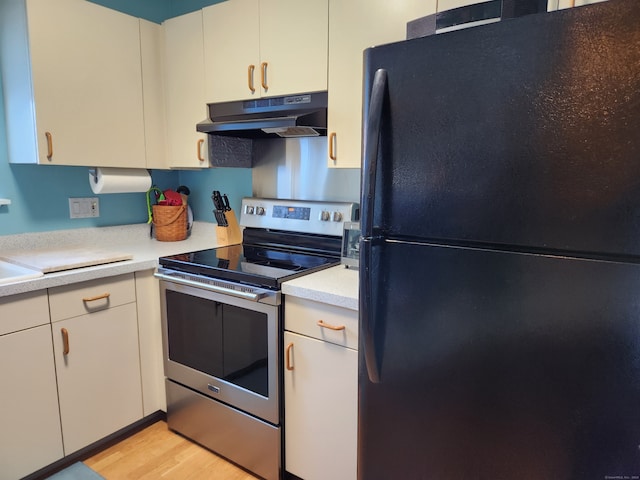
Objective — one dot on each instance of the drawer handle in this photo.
(250, 71)
(49, 145)
(289, 365)
(263, 75)
(65, 341)
(321, 323)
(97, 297)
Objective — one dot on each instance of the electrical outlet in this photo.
(84, 207)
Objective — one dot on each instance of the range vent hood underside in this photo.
(292, 116)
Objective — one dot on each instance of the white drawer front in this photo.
(22, 311)
(316, 320)
(78, 299)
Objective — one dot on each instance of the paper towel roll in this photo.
(119, 180)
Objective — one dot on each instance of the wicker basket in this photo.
(170, 222)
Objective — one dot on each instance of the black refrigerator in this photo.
(500, 251)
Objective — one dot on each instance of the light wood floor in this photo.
(157, 453)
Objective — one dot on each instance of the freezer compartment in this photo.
(499, 365)
(522, 133)
(241, 438)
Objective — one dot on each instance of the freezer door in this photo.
(523, 132)
(498, 365)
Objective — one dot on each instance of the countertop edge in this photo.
(129, 239)
(336, 286)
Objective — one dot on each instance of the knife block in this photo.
(231, 234)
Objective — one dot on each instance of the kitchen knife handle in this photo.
(289, 365)
(321, 323)
(49, 145)
(263, 75)
(250, 71)
(332, 146)
(65, 341)
(97, 297)
(199, 150)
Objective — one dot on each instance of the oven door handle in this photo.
(252, 296)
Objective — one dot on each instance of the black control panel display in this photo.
(295, 213)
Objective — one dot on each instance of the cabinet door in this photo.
(231, 47)
(31, 437)
(87, 83)
(293, 43)
(320, 409)
(186, 101)
(154, 93)
(99, 377)
(354, 26)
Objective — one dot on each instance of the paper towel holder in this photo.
(96, 178)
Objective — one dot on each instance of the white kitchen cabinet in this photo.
(185, 87)
(321, 388)
(31, 436)
(354, 26)
(72, 81)
(95, 338)
(153, 94)
(260, 48)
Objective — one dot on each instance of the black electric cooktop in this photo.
(253, 265)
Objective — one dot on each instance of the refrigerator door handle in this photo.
(369, 171)
(370, 151)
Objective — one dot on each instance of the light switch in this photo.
(84, 207)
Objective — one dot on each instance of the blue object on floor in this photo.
(77, 471)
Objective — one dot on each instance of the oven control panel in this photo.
(306, 216)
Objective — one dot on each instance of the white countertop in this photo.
(129, 239)
(336, 286)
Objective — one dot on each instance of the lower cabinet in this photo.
(30, 438)
(320, 388)
(95, 339)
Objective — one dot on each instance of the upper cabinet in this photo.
(355, 25)
(185, 98)
(260, 48)
(72, 83)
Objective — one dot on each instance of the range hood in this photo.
(302, 115)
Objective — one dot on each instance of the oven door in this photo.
(222, 346)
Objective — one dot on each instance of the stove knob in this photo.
(325, 216)
(248, 209)
(337, 216)
(260, 211)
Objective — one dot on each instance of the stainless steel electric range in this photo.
(222, 326)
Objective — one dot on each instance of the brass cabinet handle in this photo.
(65, 341)
(288, 363)
(332, 146)
(199, 149)
(49, 145)
(97, 297)
(321, 323)
(250, 71)
(263, 75)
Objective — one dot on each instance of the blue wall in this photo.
(40, 193)
(156, 10)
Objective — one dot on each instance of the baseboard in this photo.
(97, 447)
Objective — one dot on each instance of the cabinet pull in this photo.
(289, 365)
(97, 297)
(49, 145)
(65, 341)
(321, 323)
(332, 146)
(250, 71)
(263, 75)
(199, 149)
